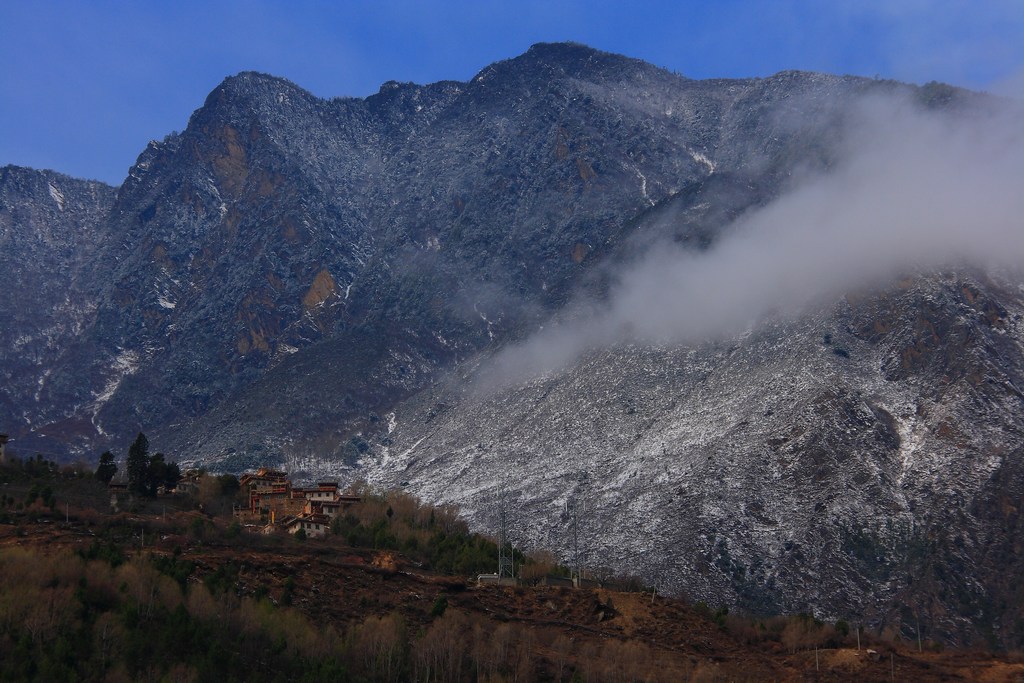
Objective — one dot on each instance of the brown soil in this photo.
(344, 585)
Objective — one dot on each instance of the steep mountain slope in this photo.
(861, 464)
(382, 239)
(52, 230)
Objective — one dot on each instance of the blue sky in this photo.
(85, 85)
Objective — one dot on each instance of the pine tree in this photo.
(138, 465)
(107, 468)
(162, 473)
(155, 474)
(172, 475)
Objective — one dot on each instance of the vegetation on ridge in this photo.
(167, 593)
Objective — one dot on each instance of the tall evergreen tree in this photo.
(138, 465)
(107, 467)
(172, 475)
(162, 473)
(155, 474)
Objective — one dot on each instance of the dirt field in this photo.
(663, 638)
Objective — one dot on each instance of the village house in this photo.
(325, 490)
(330, 508)
(120, 495)
(262, 478)
(315, 525)
(189, 482)
(277, 500)
(309, 508)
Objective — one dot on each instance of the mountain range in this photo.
(398, 288)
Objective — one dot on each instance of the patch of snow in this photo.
(407, 452)
(42, 382)
(643, 185)
(490, 333)
(57, 195)
(165, 303)
(910, 440)
(701, 159)
(126, 363)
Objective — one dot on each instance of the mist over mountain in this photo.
(768, 329)
(906, 190)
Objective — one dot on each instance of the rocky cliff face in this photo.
(52, 230)
(318, 282)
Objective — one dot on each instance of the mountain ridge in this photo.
(317, 282)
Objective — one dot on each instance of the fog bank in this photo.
(913, 191)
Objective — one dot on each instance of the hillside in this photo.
(366, 615)
(862, 464)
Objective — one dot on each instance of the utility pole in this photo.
(575, 521)
(917, 614)
(505, 561)
(573, 508)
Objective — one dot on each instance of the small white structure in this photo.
(315, 526)
(495, 580)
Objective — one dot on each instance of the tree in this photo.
(138, 465)
(229, 484)
(155, 474)
(146, 474)
(172, 475)
(107, 468)
(161, 473)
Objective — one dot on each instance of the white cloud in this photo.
(914, 190)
